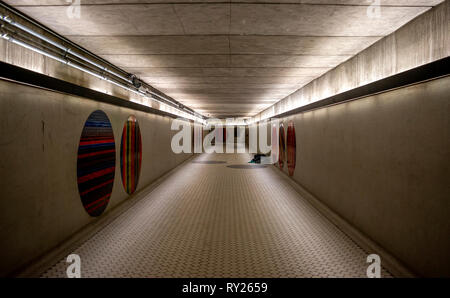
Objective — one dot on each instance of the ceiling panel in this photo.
(248, 61)
(227, 80)
(169, 60)
(317, 20)
(154, 19)
(236, 72)
(299, 45)
(132, 45)
(286, 60)
(234, 86)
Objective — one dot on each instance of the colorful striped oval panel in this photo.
(96, 163)
(282, 146)
(291, 148)
(130, 155)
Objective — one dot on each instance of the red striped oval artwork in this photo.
(96, 163)
(291, 148)
(130, 155)
(282, 146)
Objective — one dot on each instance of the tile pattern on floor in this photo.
(209, 220)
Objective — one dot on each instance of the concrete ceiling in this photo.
(225, 58)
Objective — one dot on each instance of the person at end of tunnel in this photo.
(256, 158)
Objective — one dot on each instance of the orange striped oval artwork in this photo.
(291, 148)
(130, 154)
(96, 163)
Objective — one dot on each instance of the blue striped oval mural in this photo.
(96, 163)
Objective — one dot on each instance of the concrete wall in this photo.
(382, 163)
(421, 41)
(39, 135)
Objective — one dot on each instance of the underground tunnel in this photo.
(206, 141)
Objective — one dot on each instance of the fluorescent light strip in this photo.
(30, 47)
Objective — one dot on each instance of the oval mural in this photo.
(130, 155)
(291, 148)
(96, 163)
(282, 146)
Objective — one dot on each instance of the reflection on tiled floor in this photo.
(209, 220)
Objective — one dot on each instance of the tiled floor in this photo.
(210, 220)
